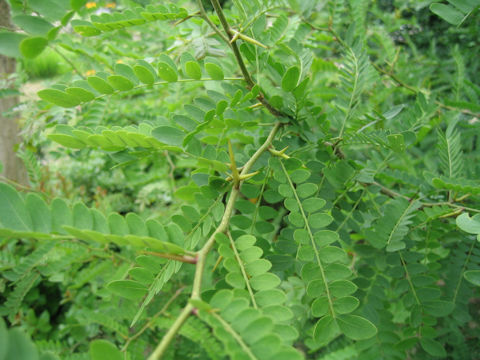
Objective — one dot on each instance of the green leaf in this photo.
(33, 46)
(433, 347)
(332, 254)
(3, 339)
(200, 305)
(345, 305)
(77, 4)
(20, 347)
(127, 72)
(341, 288)
(300, 175)
(80, 94)
(290, 78)
(85, 28)
(117, 224)
(235, 280)
(316, 288)
(10, 43)
(447, 13)
(34, 25)
(144, 74)
(320, 306)
(245, 242)
(129, 289)
(468, 224)
(306, 190)
(438, 308)
(168, 135)
(472, 276)
(120, 82)
(167, 72)
(58, 97)
(356, 327)
(301, 236)
(396, 142)
(214, 71)
(82, 217)
(13, 213)
(67, 141)
(104, 350)
(257, 329)
(39, 213)
(48, 356)
(61, 215)
(325, 329)
(100, 85)
(64, 21)
(270, 297)
(221, 299)
(258, 267)
(51, 9)
(325, 237)
(265, 281)
(319, 220)
(193, 70)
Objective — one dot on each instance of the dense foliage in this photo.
(244, 179)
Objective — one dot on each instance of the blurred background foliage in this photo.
(423, 76)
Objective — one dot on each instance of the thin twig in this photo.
(238, 57)
(68, 61)
(205, 250)
(204, 15)
(152, 319)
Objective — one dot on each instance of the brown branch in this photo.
(184, 258)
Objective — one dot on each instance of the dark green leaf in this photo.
(433, 347)
(356, 327)
(473, 276)
(447, 13)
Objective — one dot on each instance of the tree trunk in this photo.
(13, 168)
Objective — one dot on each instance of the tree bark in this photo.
(13, 168)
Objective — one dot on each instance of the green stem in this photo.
(352, 97)
(241, 63)
(72, 65)
(184, 258)
(463, 270)
(242, 269)
(172, 331)
(152, 319)
(312, 240)
(203, 253)
(204, 15)
(236, 51)
(235, 335)
(407, 275)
